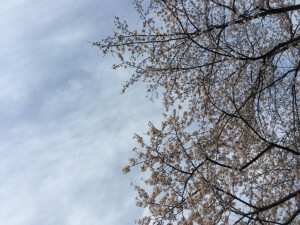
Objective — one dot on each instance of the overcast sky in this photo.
(66, 132)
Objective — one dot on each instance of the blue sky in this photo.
(65, 131)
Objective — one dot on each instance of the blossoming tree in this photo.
(227, 151)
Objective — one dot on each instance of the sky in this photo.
(66, 131)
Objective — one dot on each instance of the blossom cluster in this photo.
(227, 151)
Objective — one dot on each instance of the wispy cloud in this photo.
(65, 130)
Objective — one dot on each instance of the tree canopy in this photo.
(227, 151)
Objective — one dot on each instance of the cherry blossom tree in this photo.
(227, 151)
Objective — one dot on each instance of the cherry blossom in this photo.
(227, 71)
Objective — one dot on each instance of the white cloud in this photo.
(65, 130)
